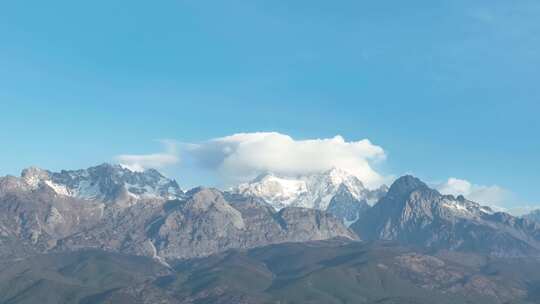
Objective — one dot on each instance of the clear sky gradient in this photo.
(447, 88)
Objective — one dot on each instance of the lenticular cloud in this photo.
(243, 156)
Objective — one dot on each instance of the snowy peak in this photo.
(338, 176)
(414, 214)
(314, 191)
(332, 180)
(278, 191)
(105, 182)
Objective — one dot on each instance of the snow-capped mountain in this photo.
(414, 214)
(106, 182)
(315, 191)
(142, 213)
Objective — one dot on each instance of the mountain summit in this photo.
(414, 214)
(404, 185)
(335, 190)
(106, 183)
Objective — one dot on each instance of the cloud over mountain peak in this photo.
(243, 156)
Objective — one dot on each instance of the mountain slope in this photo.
(204, 223)
(341, 272)
(76, 277)
(346, 207)
(334, 271)
(37, 217)
(412, 213)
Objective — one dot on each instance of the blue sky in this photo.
(446, 88)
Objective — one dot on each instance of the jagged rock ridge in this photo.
(107, 183)
(205, 223)
(414, 214)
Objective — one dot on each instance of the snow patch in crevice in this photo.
(456, 207)
(59, 189)
(155, 255)
(349, 223)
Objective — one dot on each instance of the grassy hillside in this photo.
(319, 272)
(70, 277)
(344, 272)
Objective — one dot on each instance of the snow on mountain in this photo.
(464, 208)
(315, 191)
(105, 182)
(414, 214)
(533, 216)
(115, 209)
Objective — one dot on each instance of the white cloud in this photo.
(141, 162)
(243, 156)
(523, 210)
(491, 195)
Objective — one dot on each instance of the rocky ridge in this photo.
(414, 214)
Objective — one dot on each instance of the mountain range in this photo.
(143, 213)
(414, 214)
(409, 237)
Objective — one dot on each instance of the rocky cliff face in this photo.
(205, 223)
(412, 213)
(346, 206)
(37, 216)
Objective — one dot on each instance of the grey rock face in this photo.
(202, 224)
(412, 213)
(38, 217)
(212, 224)
(346, 207)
